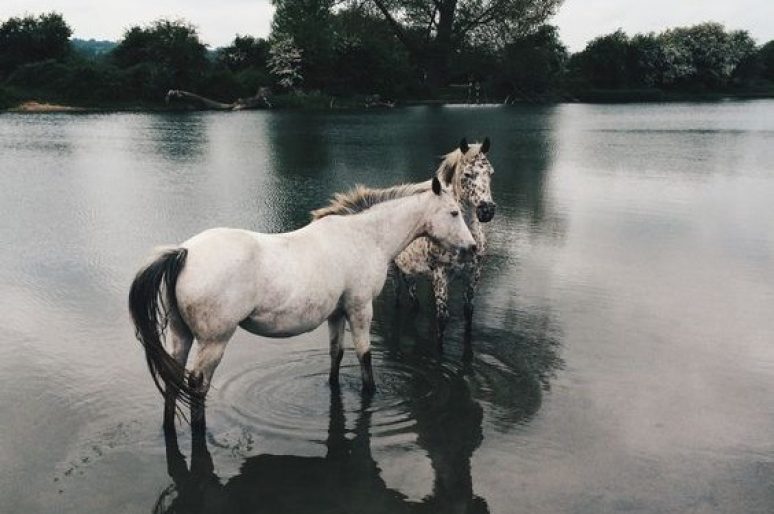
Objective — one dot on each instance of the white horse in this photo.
(281, 285)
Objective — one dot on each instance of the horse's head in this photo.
(474, 178)
(445, 225)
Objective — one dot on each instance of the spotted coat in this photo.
(469, 174)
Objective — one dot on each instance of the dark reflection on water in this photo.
(346, 479)
(620, 357)
(439, 394)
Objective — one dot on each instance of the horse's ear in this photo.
(485, 145)
(464, 145)
(436, 186)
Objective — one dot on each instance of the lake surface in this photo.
(622, 349)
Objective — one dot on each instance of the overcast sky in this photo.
(219, 21)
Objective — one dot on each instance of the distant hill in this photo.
(91, 47)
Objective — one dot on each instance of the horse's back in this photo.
(276, 282)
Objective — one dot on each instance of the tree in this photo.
(309, 25)
(285, 63)
(432, 30)
(604, 60)
(533, 64)
(165, 55)
(32, 39)
(704, 55)
(368, 58)
(245, 52)
(646, 61)
(766, 55)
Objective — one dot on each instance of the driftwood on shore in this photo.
(259, 101)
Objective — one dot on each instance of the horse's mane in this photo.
(451, 165)
(361, 198)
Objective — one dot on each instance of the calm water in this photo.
(623, 344)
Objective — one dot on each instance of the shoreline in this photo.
(612, 97)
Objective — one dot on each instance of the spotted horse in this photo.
(468, 173)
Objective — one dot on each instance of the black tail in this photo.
(150, 312)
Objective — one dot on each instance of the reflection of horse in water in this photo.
(511, 369)
(346, 480)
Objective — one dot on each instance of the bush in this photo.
(313, 100)
(48, 75)
(7, 99)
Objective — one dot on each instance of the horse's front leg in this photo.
(402, 280)
(472, 277)
(441, 293)
(336, 337)
(360, 323)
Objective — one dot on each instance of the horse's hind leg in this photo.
(396, 278)
(336, 337)
(411, 288)
(208, 356)
(181, 341)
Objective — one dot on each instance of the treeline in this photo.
(316, 53)
(700, 59)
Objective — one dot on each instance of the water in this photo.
(622, 344)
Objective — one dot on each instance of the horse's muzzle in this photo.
(486, 211)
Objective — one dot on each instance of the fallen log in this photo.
(259, 101)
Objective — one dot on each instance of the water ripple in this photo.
(290, 396)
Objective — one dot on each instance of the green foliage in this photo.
(308, 26)
(172, 47)
(766, 57)
(300, 100)
(700, 58)
(285, 63)
(32, 39)
(74, 81)
(704, 55)
(433, 31)
(7, 98)
(368, 58)
(320, 50)
(91, 49)
(604, 61)
(534, 64)
(245, 52)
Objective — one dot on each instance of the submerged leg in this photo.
(181, 341)
(411, 290)
(472, 279)
(207, 359)
(441, 293)
(396, 278)
(360, 323)
(336, 337)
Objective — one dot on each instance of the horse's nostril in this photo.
(473, 248)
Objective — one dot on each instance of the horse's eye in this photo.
(455, 213)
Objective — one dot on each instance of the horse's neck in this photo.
(393, 225)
